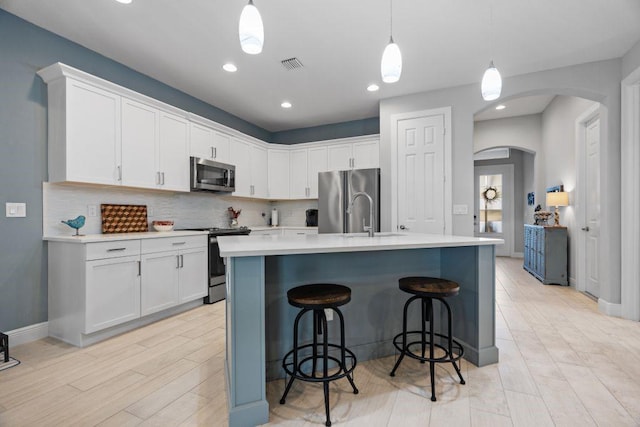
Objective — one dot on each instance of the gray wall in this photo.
(520, 197)
(24, 49)
(320, 133)
(631, 60)
(597, 81)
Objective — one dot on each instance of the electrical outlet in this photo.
(149, 211)
(16, 210)
(92, 210)
(329, 314)
(460, 210)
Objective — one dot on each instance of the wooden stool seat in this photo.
(319, 295)
(429, 287)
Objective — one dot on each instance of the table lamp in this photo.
(557, 198)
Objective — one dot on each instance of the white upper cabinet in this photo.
(239, 156)
(140, 125)
(357, 155)
(173, 154)
(305, 164)
(259, 172)
(84, 133)
(278, 170)
(207, 143)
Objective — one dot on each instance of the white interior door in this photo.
(592, 206)
(493, 206)
(421, 198)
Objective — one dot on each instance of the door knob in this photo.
(585, 228)
(402, 227)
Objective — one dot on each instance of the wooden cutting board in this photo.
(124, 218)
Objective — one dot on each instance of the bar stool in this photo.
(426, 289)
(316, 298)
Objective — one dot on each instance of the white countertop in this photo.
(92, 238)
(241, 246)
(281, 227)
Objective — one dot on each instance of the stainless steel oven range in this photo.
(216, 263)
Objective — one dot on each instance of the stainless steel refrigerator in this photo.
(335, 190)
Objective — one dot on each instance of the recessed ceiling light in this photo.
(286, 104)
(501, 107)
(124, 1)
(373, 87)
(230, 67)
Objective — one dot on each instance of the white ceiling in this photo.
(444, 43)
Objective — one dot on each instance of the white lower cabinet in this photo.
(97, 290)
(159, 288)
(112, 292)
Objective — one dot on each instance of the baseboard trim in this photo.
(28, 334)
(517, 254)
(610, 309)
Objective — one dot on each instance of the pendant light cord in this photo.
(391, 19)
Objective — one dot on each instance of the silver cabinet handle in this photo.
(162, 178)
(252, 190)
(181, 261)
(119, 173)
(215, 152)
(585, 228)
(158, 180)
(116, 249)
(213, 156)
(179, 243)
(177, 261)
(139, 268)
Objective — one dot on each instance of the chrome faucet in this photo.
(370, 228)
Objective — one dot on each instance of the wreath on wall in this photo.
(490, 195)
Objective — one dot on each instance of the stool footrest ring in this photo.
(454, 356)
(296, 371)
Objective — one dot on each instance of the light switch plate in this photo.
(460, 210)
(16, 210)
(92, 210)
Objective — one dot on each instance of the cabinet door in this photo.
(92, 145)
(139, 144)
(317, 162)
(112, 292)
(366, 155)
(173, 159)
(239, 156)
(221, 147)
(339, 157)
(278, 169)
(201, 141)
(193, 274)
(298, 185)
(259, 172)
(159, 286)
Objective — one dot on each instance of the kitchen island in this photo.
(260, 270)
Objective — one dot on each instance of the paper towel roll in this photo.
(274, 217)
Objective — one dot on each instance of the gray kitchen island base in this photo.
(259, 319)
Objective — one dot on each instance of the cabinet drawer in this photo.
(173, 243)
(120, 248)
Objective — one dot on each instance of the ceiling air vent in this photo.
(291, 63)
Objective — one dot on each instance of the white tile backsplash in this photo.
(65, 201)
(292, 213)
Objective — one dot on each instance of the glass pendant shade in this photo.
(251, 30)
(491, 83)
(391, 64)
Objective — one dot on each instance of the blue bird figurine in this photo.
(76, 223)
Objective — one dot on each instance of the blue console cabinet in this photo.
(545, 253)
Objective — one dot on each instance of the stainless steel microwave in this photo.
(207, 175)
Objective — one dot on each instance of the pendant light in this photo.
(391, 64)
(491, 86)
(491, 83)
(251, 30)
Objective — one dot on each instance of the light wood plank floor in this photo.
(561, 363)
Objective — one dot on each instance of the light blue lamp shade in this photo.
(251, 30)
(391, 64)
(491, 83)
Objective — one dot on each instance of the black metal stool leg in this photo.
(343, 350)
(404, 336)
(295, 356)
(325, 364)
(432, 364)
(423, 305)
(450, 341)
